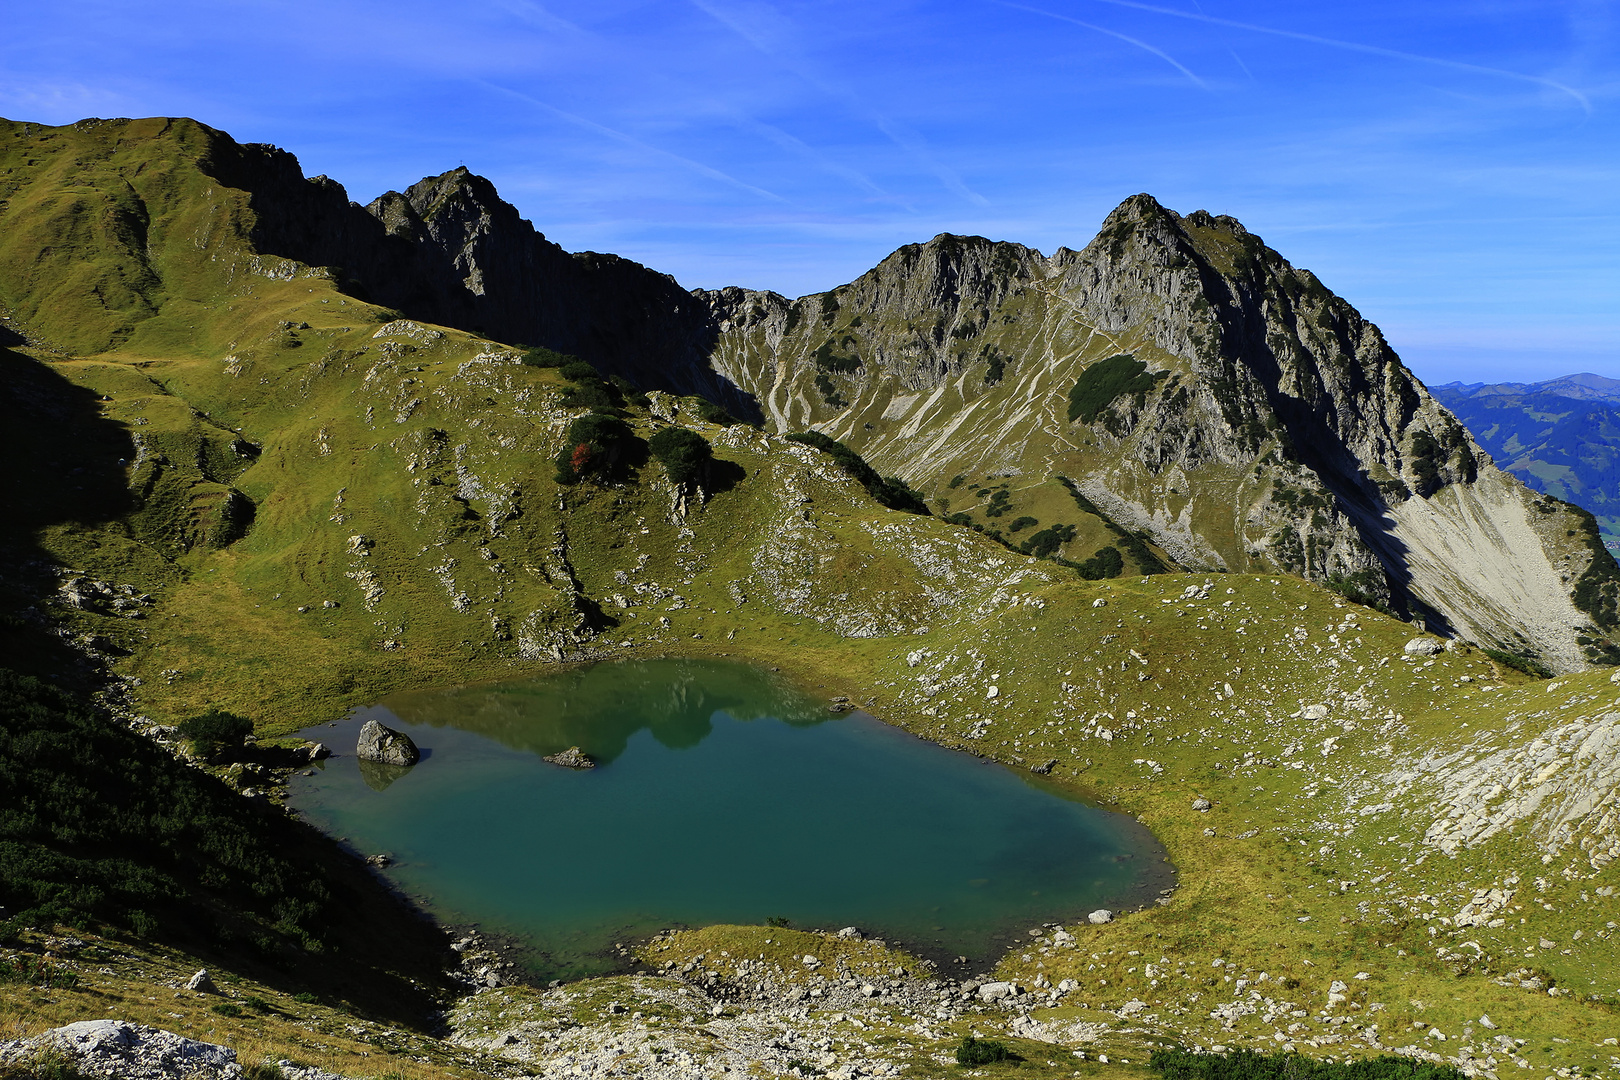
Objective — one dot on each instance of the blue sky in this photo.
(1452, 169)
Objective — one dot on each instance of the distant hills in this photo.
(1561, 437)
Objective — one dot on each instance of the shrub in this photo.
(682, 452)
(594, 446)
(542, 357)
(1248, 1065)
(982, 1051)
(1105, 381)
(1524, 664)
(1045, 543)
(891, 491)
(829, 392)
(1107, 563)
(1019, 524)
(828, 360)
(714, 414)
(226, 1008)
(577, 370)
(215, 730)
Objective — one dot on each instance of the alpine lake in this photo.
(722, 794)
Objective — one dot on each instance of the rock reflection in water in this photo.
(379, 775)
(599, 708)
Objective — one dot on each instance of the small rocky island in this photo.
(571, 758)
(385, 745)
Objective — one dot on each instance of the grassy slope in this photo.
(473, 547)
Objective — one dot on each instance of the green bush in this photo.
(1022, 523)
(1523, 664)
(1107, 563)
(1045, 543)
(594, 447)
(829, 392)
(829, 360)
(577, 370)
(891, 491)
(1101, 384)
(682, 452)
(215, 730)
(714, 414)
(226, 1008)
(973, 1051)
(542, 357)
(106, 826)
(1248, 1065)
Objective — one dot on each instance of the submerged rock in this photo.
(571, 758)
(384, 744)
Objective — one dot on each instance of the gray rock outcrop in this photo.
(115, 1048)
(571, 758)
(201, 983)
(385, 745)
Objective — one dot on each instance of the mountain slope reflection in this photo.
(599, 708)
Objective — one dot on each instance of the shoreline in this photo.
(511, 955)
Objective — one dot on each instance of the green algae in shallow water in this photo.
(722, 796)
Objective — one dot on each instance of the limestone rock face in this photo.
(1271, 427)
(128, 1051)
(385, 745)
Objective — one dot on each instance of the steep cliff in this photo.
(1198, 389)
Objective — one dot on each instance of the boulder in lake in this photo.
(385, 745)
(571, 758)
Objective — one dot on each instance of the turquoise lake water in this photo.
(722, 796)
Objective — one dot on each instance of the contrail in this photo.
(910, 142)
(1160, 53)
(629, 140)
(1374, 50)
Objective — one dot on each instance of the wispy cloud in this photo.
(631, 141)
(909, 141)
(1356, 46)
(1140, 44)
(793, 144)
